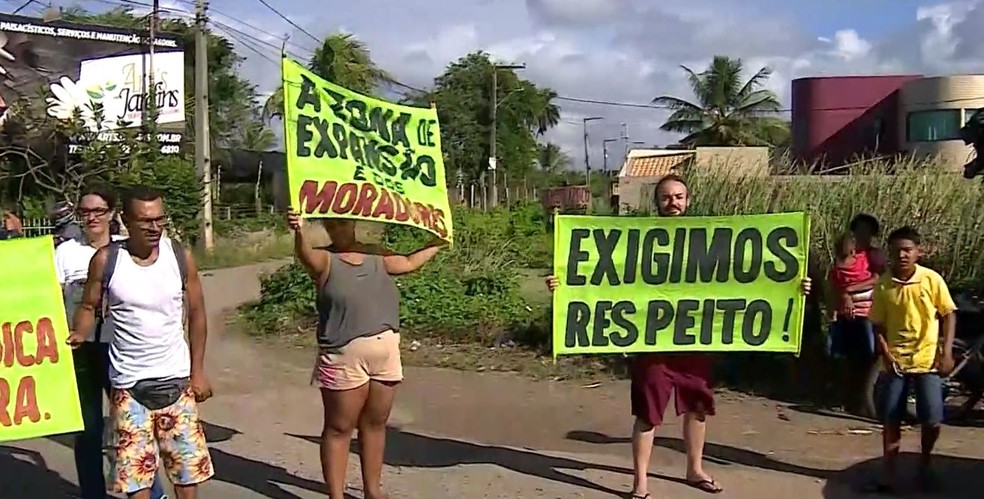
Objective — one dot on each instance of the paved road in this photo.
(473, 435)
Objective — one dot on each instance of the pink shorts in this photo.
(372, 358)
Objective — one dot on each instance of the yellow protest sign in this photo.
(679, 284)
(353, 156)
(38, 394)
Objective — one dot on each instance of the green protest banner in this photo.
(679, 284)
(38, 394)
(352, 156)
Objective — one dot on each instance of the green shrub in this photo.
(237, 227)
(176, 179)
(470, 291)
(286, 299)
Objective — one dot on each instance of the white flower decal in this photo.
(69, 97)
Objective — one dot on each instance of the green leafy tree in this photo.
(44, 159)
(255, 136)
(553, 159)
(463, 94)
(341, 59)
(726, 111)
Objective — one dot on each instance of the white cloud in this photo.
(631, 50)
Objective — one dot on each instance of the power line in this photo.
(22, 7)
(236, 20)
(782, 110)
(278, 49)
(292, 23)
(241, 39)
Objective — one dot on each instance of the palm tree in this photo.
(543, 113)
(726, 111)
(552, 158)
(256, 137)
(341, 59)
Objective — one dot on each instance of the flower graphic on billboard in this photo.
(69, 97)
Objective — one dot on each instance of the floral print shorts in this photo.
(143, 439)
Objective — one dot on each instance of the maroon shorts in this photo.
(656, 377)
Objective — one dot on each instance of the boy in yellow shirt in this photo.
(912, 309)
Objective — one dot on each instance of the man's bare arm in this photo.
(197, 318)
(84, 319)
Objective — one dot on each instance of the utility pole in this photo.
(604, 148)
(493, 139)
(203, 152)
(624, 135)
(150, 96)
(587, 161)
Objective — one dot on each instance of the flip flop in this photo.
(633, 495)
(706, 485)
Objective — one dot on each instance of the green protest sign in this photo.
(353, 156)
(677, 284)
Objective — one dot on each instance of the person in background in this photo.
(95, 209)
(358, 364)
(866, 228)
(10, 226)
(913, 315)
(655, 378)
(65, 228)
(851, 335)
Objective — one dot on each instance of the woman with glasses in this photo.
(95, 210)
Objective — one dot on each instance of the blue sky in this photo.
(614, 50)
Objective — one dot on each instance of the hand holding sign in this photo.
(75, 339)
(552, 283)
(294, 221)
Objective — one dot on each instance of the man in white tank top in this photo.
(157, 378)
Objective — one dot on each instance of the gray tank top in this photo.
(356, 301)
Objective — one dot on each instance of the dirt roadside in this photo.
(492, 435)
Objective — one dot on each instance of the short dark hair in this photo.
(840, 246)
(907, 233)
(672, 177)
(107, 195)
(866, 219)
(138, 193)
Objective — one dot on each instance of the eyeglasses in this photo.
(96, 212)
(151, 222)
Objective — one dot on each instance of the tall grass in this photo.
(945, 208)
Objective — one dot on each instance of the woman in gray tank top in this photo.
(358, 364)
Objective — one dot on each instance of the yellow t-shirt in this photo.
(910, 312)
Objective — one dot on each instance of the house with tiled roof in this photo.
(634, 189)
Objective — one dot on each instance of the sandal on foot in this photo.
(633, 495)
(708, 485)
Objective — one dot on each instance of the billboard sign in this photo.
(81, 66)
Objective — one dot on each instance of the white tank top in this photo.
(146, 307)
